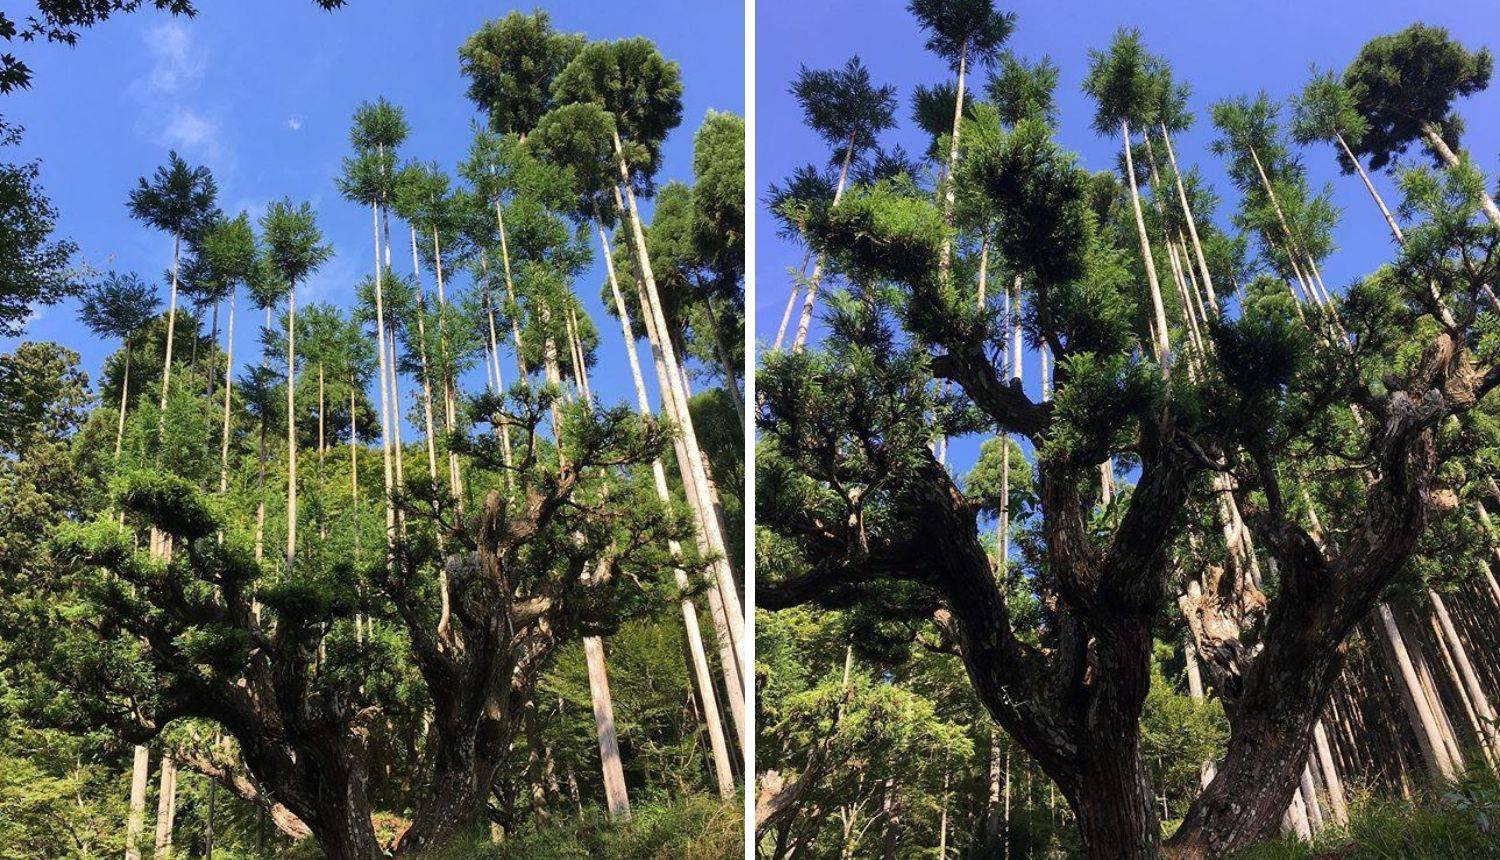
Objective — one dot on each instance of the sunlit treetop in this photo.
(1022, 90)
(843, 106)
(632, 80)
(1324, 110)
(972, 30)
(178, 199)
(1122, 81)
(229, 250)
(578, 138)
(719, 188)
(378, 125)
(1168, 104)
(294, 244)
(511, 63)
(1407, 82)
(118, 305)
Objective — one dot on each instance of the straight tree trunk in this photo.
(791, 301)
(291, 429)
(804, 322)
(1471, 685)
(1192, 222)
(674, 396)
(1429, 736)
(1440, 148)
(950, 185)
(1331, 778)
(166, 808)
(228, 388)
(124, 393)
(1159, 313)
(385, 408)
(166, 365)
(135, 820)
(731, 382)
(615, 796)
(729, 664)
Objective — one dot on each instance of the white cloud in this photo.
(294, 123)
(191, 132)
(177, 63)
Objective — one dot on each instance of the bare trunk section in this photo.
(615, 796)
(166, 807)
(804, 322)
(385, 399)
(1440, 148)
(1158, 310)
(291, 429)
(674, 397)
(135, 820)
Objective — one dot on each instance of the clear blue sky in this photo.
(1220, 49)
(263, 92)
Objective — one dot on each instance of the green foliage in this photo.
(844, 107)
(34, 266)
(511, 64)
(178, 200)
(1404, 86)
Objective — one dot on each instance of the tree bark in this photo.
(1159, 313)
(804, 322)
(616, 798)
(291, 429)
(166, 807)
(135, 820)
(1441, 149)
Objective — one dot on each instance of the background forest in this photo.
(1123, 490)
(339, 528)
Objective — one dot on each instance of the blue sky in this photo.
(262, 93)
(1220, 49)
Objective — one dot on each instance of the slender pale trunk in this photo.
(385, 399)
(510, 288)
(731, 381)
(950, 181)
(728, 663)
(791, 300)
(166, 808)
(1158, 310)
(1331, 778)
(1471, 685)
(124, 394)
(1309, 792)
(431, 440)
(455, 476)
(1192, 222)
(135, 820)
(291, 429)
(499, 377)
(1465, 701)
(615, 797)
(1440, 147)
(804, 322)
(1429, 736)
(166, 365)
(674, 396)
(228, 387)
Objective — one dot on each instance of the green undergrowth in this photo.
(695, 826)
(1441, 822)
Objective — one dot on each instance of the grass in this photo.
(699, 827)
(1460, 820)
